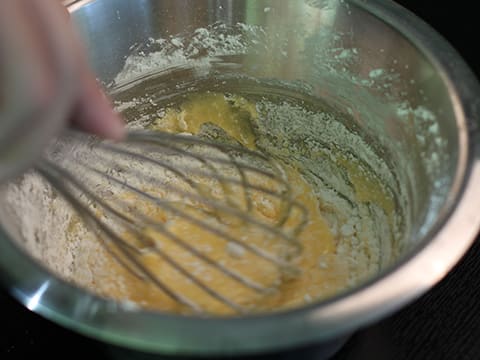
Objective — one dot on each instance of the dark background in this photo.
(443, 324)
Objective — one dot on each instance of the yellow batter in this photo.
(322, 272)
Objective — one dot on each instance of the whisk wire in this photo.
(48, 170)
(216, 231)
(287, 200)
(137, 148)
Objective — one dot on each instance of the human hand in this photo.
(45, 83)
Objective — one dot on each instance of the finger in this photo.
(93, 112)
(53, 33)
(26, 75)
(34, 104)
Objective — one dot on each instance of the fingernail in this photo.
(116, 129)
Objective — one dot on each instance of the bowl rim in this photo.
(124, 325)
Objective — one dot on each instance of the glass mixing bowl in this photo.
(404, 104)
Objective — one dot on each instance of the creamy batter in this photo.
(323, 272)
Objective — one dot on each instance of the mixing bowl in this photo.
(404, 104)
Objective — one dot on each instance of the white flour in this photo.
(197, 50)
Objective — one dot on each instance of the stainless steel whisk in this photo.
(111, 184)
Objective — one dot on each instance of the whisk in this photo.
(126, 192)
